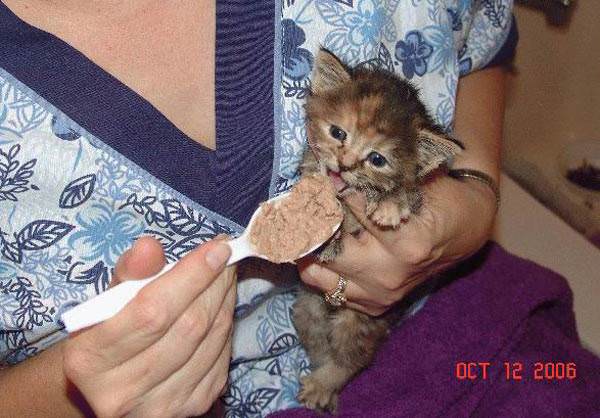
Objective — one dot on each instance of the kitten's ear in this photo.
(329, 72)
(434, 149)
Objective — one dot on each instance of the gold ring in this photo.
(336, 296)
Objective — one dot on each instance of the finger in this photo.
(385, 287)
(144, 259)
(217, 341)
(410, 251)
(207, 366)
(213, 385)
(159, 361)
(371, 310)
(329, 282)
(354, 261)
(425, 232)
(151, 313)
(326, 280)
(177, 398)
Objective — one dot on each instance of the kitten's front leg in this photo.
(393, 209)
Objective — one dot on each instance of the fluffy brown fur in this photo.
(369, 129)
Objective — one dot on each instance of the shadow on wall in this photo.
(558, 12)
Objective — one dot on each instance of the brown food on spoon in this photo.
(288, 228)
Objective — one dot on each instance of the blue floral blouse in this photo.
(87, 165)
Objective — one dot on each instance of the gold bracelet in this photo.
(466, 173)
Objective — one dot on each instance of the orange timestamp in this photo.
(516, 371)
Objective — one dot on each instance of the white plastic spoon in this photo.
(110, 302)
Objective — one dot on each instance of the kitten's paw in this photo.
(370, 208)
(389, 213)
(315, 395)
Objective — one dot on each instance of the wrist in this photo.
(465, 212)
(37, 387)
(466, 175)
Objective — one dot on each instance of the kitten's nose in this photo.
(347, 160)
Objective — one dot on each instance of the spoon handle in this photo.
(109, 303)
(240, 249)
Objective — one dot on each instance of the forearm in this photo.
(38, 388)
(467, 207)
(479, 119)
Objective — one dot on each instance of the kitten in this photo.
(367, 130)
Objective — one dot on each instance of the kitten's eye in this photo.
(376, 159)
(337, 133)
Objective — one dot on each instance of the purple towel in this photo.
(505, 309)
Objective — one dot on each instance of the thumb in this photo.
(146, 258)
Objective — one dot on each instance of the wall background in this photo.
(554, 101)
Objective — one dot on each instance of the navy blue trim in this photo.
(161, 187)
(277, 98)
(505, 56)
(230, 181)
(244, 104)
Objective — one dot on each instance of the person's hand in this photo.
(381, 266)
(167, 353)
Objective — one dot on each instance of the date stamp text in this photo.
(516, 370)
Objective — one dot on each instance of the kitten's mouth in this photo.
(337, 180)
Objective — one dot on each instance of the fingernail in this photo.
(217, 256)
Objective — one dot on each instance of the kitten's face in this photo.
(359, 138)
(369, 130)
